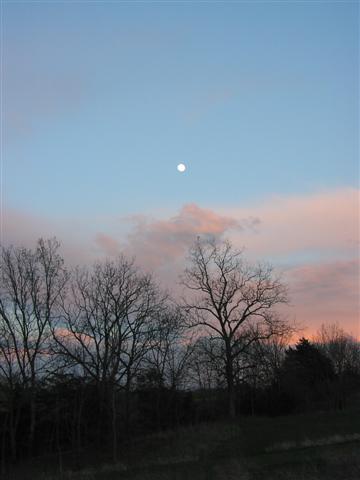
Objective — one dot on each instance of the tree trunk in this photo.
(57, 433)
(127, 404)
(3, 444)
(231, 401)
(230, 384)
(32, 421)
(158, 396)
(113, 424)
(102, 420)
(78, 417)
(12, 433)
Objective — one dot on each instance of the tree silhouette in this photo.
(32, 282)
(307, 373)
(233, 301)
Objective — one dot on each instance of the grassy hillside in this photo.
(316, 446)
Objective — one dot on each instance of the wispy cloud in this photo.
(314, 239)
(157, 242)
(207, 101)
(33, 95)
(23, 228)
(322, 224)
(109, 245)
(326, 293)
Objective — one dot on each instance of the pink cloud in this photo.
(318, 233)
(160, 242)
(24, 229)
(109, 245)
(324, 222)
(326, 293)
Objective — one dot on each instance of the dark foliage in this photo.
(91, 360)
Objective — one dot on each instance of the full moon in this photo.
(181, 167)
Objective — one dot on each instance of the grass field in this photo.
(316, 446)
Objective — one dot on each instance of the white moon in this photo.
(181, 167)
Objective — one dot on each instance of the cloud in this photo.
(22, 228)
(108, 244)
(33, 95)
(208, 100)
(286, 230)
(326, 293)
(323, 224)
(314, 238)
(158, 242)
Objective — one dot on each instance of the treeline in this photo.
(91, 357)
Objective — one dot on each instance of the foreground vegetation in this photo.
(97, 363)
(313, 446)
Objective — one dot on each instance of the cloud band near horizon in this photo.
(313, 239)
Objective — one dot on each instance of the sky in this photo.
(260, 101)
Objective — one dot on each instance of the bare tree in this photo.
(233, 301)
(32, 282)
(344, 352)
(340, 347)
(166, 365)
(171, 348)
(207, 363)
(106, 326)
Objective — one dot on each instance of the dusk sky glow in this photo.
(260, 100)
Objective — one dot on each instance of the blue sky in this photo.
(102, 100)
